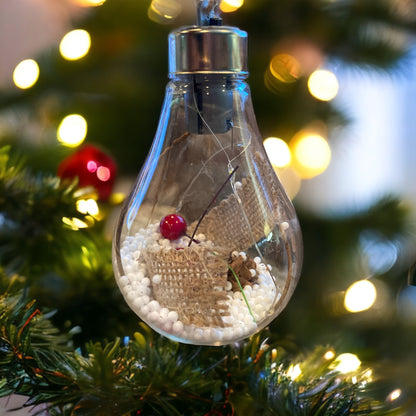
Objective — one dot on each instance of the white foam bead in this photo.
(164, 313)
(144, 300)
(172, 316)
(207, 334)
(251, 326)
(153, 316)
(155, 236)
(259, 308)
(247, 294)
(143, 290)
(167, 326)
(234, 254)
(257, 260)
(227, 333)
(248, 320)
(238, 185)
(217, 334)
(238, 331)
(145, 310)
(198, 333)
(129, 268)
(228, 285)
(131, 295)
(253, 272)
(138, 302)
(123, 280)
(140, 275)
(284, 226)
(243, 255)
(229, 320)
(234, 310)
(154, 306)
(201, 237)
(156, 279)
(177, 327)
(145, 281)
(155, 248)
(238, 295)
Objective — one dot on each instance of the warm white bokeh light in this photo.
(347, 363)
(323, 85)
(26, 74)
(228, 6)
(75, 44)
(294, 372)
(72, 130)
(163, 11)
(278, 151)
(329, 355)
(311, 154)
(89, 3)
(88, 206)
(74, 223)
(360, 296)
(394, 395)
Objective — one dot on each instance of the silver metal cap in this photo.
(208, 49)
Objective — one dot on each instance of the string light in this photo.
(163, 11)
(72, 130)
(294, 372)
(394, 395)
(360, 296)
(311, 154)
(88, 206)
(26, 74)
(228, 6)
(323, 85)
(278, 151)
(329, 355)
(346, 363)
(74, 223)
(75, 44)
(285, 68)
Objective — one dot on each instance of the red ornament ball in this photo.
(173, 226)
(93, 167)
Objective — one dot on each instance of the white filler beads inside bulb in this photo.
(136, 287)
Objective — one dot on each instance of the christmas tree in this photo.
(70, 345)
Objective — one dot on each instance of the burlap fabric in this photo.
(244, 218)
(193, 283)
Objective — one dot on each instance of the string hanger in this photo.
(208, 13)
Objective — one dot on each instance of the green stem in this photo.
(242, 291)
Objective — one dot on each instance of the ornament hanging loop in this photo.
(208, 12)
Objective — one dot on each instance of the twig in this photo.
(211, 203)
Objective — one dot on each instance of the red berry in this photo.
(172, 226)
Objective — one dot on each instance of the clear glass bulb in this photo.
(230, 267)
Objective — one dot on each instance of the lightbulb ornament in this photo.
(208, 247)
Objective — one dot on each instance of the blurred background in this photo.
(333, 85)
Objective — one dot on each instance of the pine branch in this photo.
(154, 376)
(33, 236)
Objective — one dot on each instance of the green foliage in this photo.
(154, 376)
